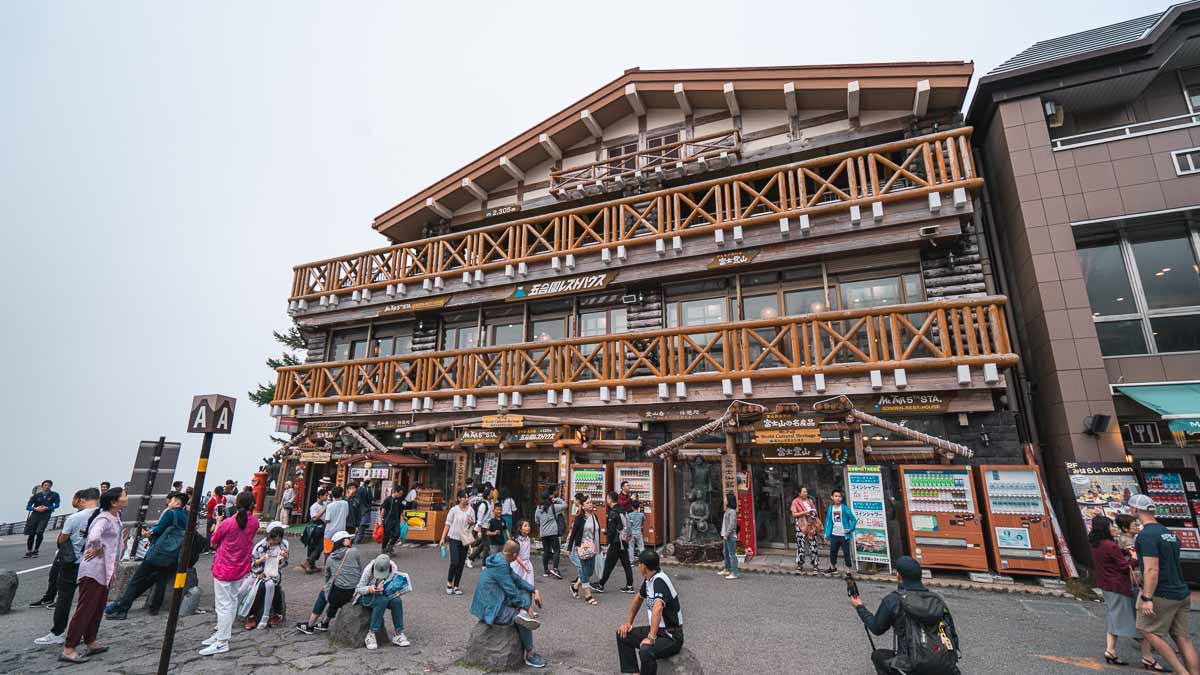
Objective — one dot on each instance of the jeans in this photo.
(480, 549)
(587, 568)
(364, 529)
(730, 549)
(378, 609)
(836, 544)
(337, 598)
(550, 553)
(67, 575)
(225, 597)
(638, 658)
(506, 617)
(145, 576)
(458, 560)
(617, 552)
(637, 544)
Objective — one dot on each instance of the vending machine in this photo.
(1177, 501)
(943, 518)
(592, 480)
(1019, 531)
(645, 484)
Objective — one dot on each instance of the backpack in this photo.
(928, 647)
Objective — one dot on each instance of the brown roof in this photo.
(882, 85)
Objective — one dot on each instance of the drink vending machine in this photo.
(1176, 496)
(944, 528)
(1022, 540)
(645, 484)
(592, 480)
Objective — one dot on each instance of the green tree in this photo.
(292, 339)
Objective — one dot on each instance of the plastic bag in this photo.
(377, 534)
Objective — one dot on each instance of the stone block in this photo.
(8, 589)
(351, 625)
(683, 663)
(124, 574)
(494, 648)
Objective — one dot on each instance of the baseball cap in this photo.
(382, 567)
(340, 535)
(325, 479)
(1141, 503)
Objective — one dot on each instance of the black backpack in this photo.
(928, 648)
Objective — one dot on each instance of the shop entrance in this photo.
(775, 485)
(525, 481)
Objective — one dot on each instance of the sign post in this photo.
(865, 499)
(212, 414)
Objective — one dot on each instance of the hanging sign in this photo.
(836, 456)
(491, 467)
(546, 289)
(534, 435)
(460, 471)
(798, 452)
(745, 515)
(412, 306)
(503, 421)
(912, 403)
(479, 436)
(733, 258)
(676, 414)
(316, 457)
(864, 496)
(323, 434)
(787, 429)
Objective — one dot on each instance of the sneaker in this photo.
(33, 555)
(598, 588)
(535, 661)
(732, 576)
(458, 591)
(828, 570)
(470, 564)
(723, 572)
(628, 589)
(28, 554)
(545, 575)
(303, 627)
(555, 574)
(370, 640)
(449, 591)
(117, 615)
(209, 640)
(322, 626)
(524, 620)
(51, 605)
(215, 648)
(51, 639)
(38, 603)
(401, 640)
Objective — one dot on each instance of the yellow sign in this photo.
(503, 421)
(417, 520)
(412, 306)
(787, 429)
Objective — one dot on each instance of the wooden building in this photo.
(677, 240)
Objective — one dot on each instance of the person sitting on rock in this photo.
(502, 599)
(270, 557)
(342, 573)
(380, 588)
(641, 648)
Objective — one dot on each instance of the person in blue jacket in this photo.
(40, 506)
(502, 599)
(149, 574)
(839, 526)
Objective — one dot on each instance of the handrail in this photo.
(904, 169)
(630, 163)
(1125, 131)
(938, 334)
(56, 523)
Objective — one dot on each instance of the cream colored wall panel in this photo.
(656, 118)
(626, 126)
(755, 120)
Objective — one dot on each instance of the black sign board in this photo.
(211, 414)
(152, 476)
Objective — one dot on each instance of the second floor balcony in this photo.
(959, 343)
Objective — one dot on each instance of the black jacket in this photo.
(889, 611)
(615, 523)
(576, 537)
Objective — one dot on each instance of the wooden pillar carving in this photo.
(460, 474)
(729, 466)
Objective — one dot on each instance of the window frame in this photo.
(1194, 163)
(1144, 315)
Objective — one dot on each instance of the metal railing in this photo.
(664, 157)
(9, 529)
(903, 170)
(1126, 131)
(918, 336)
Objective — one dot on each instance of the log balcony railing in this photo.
(920, 336)
(637, 164)
(846, 182)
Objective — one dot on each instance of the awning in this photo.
(1177, 403)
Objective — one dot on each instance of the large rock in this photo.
(494, 648)
(698, 553)
(351, 625)
(125, 572)
(8, 590)
(683, 663)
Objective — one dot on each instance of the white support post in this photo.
(635, 101)
(738, 235)
(570, 261)
(852, 99)
(438, 283)
(550, 146)
(522, 269)
(784, 227)
(308, 409)
(556, 263)
(416, 404)
(797, 383)
(681, 99)
(567, 397)
(502, 400)
(474, 188)
(428, 403)
(302, 304)
(621, 254)
(438, 208)
(681, 390)
(727, 388)
(551, 397)
(719, 237)
(935, 202)
(677, 243)
(960, 197)
(660, 247)
(377, 405)
(516, 399)
(604, 396)
(789, 99)
(991, 374)
(921, 99)
(318, 408)
(621, 392)
(819, 383)
(856, 214)
(456, 403)
(471, 400)
(389, 405)
(876, 380)
(664, 392)
(877, 211)
(467, 278)
(341, 407)
(401, 289)
(747, 387)
(731, 99)
(427, 284)
(805, 225)
(352, 407)
(333, 300)
(511, 169)
(592, 125)
(606, 256)
(901, 378)
(509, 270)
(479, 276)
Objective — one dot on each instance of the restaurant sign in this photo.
(546, 289)
(912, 403)
(316, 457)
(412, 306)
(733, 258)
(479, 436)
(503, 421)
(660, 414)
(534, 434)
(787, 429)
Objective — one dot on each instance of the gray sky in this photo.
(163, 166)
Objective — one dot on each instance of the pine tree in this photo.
(292, 339)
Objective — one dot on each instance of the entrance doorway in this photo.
(775, 485)
(526, 481)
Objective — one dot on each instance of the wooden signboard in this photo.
(912, 403)
(534, 435)
(460, 471)
(316, 457)
(547, 289)
(787, 429)
(479, 435)
(503, 421)
(413, 306)
(733, 258)
(675, 414)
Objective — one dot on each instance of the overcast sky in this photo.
(163, 166)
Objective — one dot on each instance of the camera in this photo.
(851, 586)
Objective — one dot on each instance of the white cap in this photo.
(340, 535)
(1141, 502)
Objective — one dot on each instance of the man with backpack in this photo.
(162, 558)
(616, 530)
(924, 637)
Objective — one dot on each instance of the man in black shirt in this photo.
(908, 572)
(616, 530)
(640, 648)
(497, 530)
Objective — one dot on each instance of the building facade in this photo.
(627, 269)
(1090, 144)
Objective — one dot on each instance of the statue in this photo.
(698, 529)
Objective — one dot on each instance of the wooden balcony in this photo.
(634, 166)
(854, 182)
(915, 337)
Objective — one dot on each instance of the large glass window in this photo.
(871, 293)
(349, 344)
(392, 340)
(1143, 284)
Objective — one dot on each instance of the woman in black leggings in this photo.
(458, 519)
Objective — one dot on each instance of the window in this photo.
(1187, 161)
(671, 155)
(603, 322)
(871, 293)
(349, 344)
(1143, 284)
(459, 337)
(628, 163)
(698, 312)
(391, 340)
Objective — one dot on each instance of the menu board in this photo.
(939, 490)
(865, 499)
(1013, 492)
(1102, 488)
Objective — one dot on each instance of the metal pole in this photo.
(185, 556)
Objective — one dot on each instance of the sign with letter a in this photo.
(212, 414)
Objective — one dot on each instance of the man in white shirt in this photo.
(315, 532)
(335, 517)
(70, 551)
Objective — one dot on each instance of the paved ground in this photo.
(760, 623)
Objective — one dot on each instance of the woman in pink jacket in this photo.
(96, 572)
(234, 543)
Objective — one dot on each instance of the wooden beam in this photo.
(731, 99)
(635, 101)
(852, 96)
(681, 98)
(511, 168)
(590, 122)
(438, 208)
(473, 187)
(921, 100)
(789, 99)
(550, 146)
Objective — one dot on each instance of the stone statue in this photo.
(698, 529)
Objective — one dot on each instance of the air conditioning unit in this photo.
(1054, 113)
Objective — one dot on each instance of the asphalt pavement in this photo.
(757, 624)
